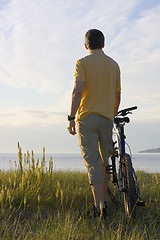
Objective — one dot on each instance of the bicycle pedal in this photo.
(109, 169)
(141, 203)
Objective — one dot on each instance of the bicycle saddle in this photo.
(118, 120)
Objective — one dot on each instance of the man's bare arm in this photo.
(75, 102)
(117, 102)
(76, 97)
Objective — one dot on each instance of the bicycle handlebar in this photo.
(125, 111)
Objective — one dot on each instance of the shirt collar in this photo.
(95, 51)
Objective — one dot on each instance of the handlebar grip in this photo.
(126, 110)
(132, 108)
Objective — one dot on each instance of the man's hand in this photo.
(72, 127)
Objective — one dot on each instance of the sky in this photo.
(40, 42)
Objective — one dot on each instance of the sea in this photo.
(148, 162)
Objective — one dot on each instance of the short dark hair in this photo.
(94, 39)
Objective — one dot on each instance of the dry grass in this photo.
(38, 203)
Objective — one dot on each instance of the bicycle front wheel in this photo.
(130, 196)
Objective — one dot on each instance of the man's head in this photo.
(94, 39)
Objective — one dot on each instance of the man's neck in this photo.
(94, 50)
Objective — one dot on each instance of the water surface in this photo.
(149, 162)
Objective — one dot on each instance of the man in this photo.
(96, 97)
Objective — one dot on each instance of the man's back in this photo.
(101, 75)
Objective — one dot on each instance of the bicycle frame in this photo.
(121, 153)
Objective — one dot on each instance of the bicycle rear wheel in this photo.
(130, 196)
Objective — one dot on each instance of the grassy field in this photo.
(38, 203)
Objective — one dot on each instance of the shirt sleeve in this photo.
(118, 82)
(79, 73)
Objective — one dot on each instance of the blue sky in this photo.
(39, 44)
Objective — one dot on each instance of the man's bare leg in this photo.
(99, 192)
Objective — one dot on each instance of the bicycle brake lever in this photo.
(126, 113)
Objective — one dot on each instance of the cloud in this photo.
(35, 46)
(39, 44)
(148, 113)
(136, 48)
(138, 35)
(26, 117)
(40, 41)
(153, 98)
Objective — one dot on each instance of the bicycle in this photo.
(124, 177)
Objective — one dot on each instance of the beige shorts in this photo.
(95, 139)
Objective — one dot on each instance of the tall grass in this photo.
(39, 203)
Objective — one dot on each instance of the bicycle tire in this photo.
(130, 196)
